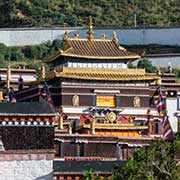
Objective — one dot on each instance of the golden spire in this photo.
(103, 36)
(8, 76)
(65, 36)
(115, 38)
(43, 71)
(158, 82)
(90, 31)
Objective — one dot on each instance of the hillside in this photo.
(106, 13)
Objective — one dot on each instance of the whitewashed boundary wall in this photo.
(20, 37)
(26, 170)
(16, 165)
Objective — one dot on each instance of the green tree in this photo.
(71, 20)
(131, 66)
(90, 175)
(7, 12)
(177, 72)
(145, 63)
(157, 162)
(25, 13)
(16, 54)
(57, 44)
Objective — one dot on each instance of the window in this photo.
(104, 101)
(80, 149)
(154, 128)
(118, 102)
(58, 146)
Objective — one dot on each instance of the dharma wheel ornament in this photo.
(111, 117)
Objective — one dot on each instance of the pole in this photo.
(135, 20)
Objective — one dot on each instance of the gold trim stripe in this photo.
(103, 57)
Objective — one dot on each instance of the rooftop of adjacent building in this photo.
(79, 167)
(26, 108)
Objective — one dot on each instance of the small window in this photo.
(118, 103)
(80, 149)
(58, 146)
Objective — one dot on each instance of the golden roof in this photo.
(91, 48)
(96, 49)
(101, 74)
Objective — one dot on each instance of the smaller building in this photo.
(27, 140)
(12, 76)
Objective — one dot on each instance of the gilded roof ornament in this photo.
(159, 72)
(115, 38)
(76, 35)
(65, 36)
(90, 31)
(104, 37)
(43, 71)
(158, 82)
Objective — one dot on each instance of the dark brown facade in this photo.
(79, 147)
(27, 126)
(25, 137)
(63, 94)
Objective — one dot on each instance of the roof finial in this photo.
(158, 82)
(65, 36)
(103, 36)
(115, 38)
(8, 77)
(76, 35)
(90, 31)
(43, 72)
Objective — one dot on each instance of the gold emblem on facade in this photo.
(75, 100)
(137, 102)
(111, 117)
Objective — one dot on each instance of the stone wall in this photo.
(15, 166)
(19, 37)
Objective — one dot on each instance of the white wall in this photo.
(19, 37)
(26, 170)
(97, 65)
(171, 105)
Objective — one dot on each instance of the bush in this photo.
(28, 53)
